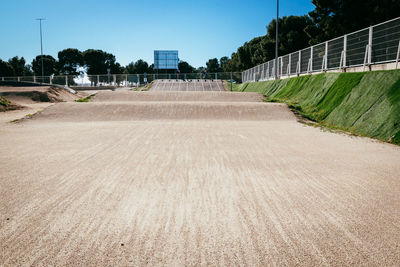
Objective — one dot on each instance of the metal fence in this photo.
(121, 80)
(374, 45)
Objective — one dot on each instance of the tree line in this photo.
(71, 61)
(328, 20)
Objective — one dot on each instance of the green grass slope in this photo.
(366, 103)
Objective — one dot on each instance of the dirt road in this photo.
(142, 178)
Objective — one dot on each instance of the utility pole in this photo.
(276, 40)
(41, 46)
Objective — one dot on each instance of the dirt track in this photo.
(81, 184)
(190, 85)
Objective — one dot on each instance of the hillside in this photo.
(366, 103)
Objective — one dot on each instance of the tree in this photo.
(223, 62)
(28, 70)
(18, 65)
(6, 69)
(151, 69)
(49, 62)
(213, 65)
(333, 18)
(69, 60)
(200, 69)
(185, 67)
(292, 37)
(138, 67)
(98, 61)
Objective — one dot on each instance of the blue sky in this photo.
(131, 30)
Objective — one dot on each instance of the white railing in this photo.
(119, 80)
(377, 44)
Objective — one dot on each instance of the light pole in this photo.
(276, 40)
(41, 46)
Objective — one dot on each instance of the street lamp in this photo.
(276, 40)
(41, 46)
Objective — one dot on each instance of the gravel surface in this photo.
(90, 184)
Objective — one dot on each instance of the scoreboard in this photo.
(166, 59)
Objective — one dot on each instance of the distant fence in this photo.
(374, 45)
(120, 80)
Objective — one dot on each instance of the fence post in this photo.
(326, 56)
(138, 80)
(115, 79)
(299, 63)
(397, 57)
(51, 79)
(66, 80)
(345, 52)
(281, 67)
(311, 58)
(370, 45)
(266, 71)
(34, 79)
(273, 67)
(365, 57)
(98, 80)
(263, 71)
(298, 68)
(19, 79)
(289, 65)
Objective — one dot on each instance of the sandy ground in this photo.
(85, 184)
(28, 110)
(29, 100)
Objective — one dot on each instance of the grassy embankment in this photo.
(366, 104)
(4, 102)
(85, 99)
